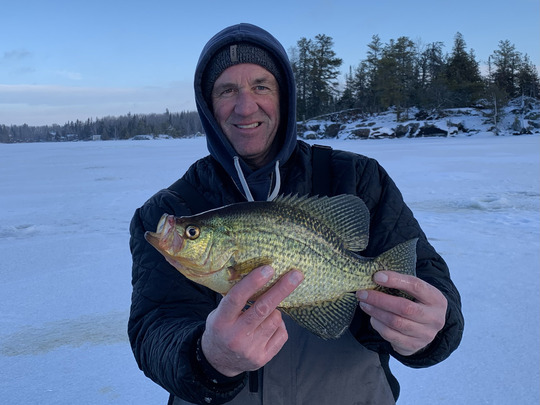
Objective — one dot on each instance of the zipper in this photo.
(253, 377)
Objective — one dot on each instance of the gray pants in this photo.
(309, 370)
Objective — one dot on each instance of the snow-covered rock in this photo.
(520, 116)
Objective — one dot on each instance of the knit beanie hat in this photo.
(236, 54)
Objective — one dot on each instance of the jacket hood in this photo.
(259, 181)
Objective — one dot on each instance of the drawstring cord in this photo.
(243, 181)
(245, 185)
(277, 186)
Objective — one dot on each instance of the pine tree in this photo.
(527, 79)
(347, 100)
(432, 91)
(362, 89)
(395, 75)
(301, 65)
(463, 75)
(316, 69)
(366, 76)
(506, 62)
(324, 73)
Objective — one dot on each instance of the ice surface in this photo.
(65, 263)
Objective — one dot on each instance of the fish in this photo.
(319, 236)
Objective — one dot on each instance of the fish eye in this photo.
(192, 232)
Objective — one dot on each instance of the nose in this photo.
(246, 103)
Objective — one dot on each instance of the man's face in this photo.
(245, 99)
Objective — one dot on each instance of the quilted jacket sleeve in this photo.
(392, 222)
(168, 314)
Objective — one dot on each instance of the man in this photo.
(205, 349)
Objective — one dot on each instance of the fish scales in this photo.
(320, 237)
(299, 241)
(302, 243)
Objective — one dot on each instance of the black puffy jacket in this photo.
(168, 311)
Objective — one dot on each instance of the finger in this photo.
(391, 321)
(380, 302)
(403, 344)
(419, 289)
(265, 342)
(409, 318)
(237, 297)
(277, 340)
(270, 300)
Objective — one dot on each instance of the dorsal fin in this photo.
(346, 214)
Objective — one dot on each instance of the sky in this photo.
(66, 60)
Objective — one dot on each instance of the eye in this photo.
(225, 92)
(192, 232)
(261, 89)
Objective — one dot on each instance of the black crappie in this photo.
(320, 236)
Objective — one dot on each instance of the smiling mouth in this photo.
(248, 126)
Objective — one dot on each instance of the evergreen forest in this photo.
(400, 74)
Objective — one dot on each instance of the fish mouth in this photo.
(155, 240)
(152, 238)
(169, 243)
(166, 238)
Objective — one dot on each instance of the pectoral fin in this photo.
(328, 319)
(241, 269)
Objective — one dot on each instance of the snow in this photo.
(521, 115)
(65, 263)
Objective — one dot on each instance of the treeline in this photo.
(176, 125)
(402, 74)
(399, 74)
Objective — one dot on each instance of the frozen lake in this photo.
(65, 263)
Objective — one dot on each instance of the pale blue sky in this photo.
(67, 60)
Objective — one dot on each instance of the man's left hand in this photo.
(408, 326)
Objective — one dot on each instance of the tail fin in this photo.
(401, 258)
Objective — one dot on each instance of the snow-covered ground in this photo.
(519, 116)
(65, 263)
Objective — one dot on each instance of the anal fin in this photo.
(328, 319)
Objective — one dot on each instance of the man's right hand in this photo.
(235, 340)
